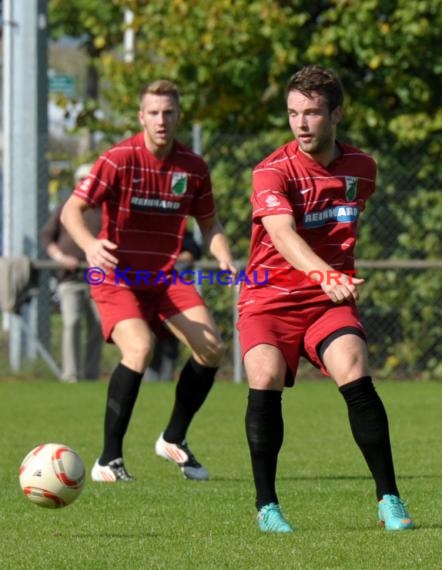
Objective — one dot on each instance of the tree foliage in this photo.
(97, 26)
(232, 59)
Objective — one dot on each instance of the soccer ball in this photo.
(52, 475)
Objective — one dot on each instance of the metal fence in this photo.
(401, 344)
(401, 304)
(400, 249)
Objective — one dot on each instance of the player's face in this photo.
(312, 124)
(159, 116)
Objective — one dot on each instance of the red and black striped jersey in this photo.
(146, 201)
(325, 203)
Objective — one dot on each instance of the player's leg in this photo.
(345, 356)
(265, 369)
(135, 341)
(194, 327)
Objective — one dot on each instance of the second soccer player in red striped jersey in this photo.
(147, 186)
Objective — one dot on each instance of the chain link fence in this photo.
(400, 248)
(399, 252)
(404, 337)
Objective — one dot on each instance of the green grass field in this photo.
(165, 522)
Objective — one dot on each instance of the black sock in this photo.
(265, 433)
(369, 425)
(122, 393)
(193, 386)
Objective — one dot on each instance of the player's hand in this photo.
(345, 288)
(229, 265)
(98, 254)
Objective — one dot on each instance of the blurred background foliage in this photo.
(232, 60)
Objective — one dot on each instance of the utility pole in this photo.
(25, 164)
(129, 36)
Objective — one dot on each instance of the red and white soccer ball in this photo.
(52, 475)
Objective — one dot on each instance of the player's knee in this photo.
(356, 368)
(137, 353)
(265, 381)
(265, 376)
(212, 353)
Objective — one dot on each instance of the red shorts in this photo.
(296, 333)
(116, 303)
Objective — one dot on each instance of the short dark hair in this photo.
(160, 87)
(314, 78)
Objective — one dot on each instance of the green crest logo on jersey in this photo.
(179, 183)
(351, 188)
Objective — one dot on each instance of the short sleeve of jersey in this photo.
(203, 205)
(270, 193)
(368, 176)
(96, 187)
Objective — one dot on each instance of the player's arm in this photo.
(96, 250)
(216, 242)
(282, 231)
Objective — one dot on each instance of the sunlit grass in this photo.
(163, 521)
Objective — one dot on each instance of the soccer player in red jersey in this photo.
(147, 186)
(307, 197)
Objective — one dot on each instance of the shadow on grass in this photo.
(104, 534)
(327, 478)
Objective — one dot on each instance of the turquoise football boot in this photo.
(271, 519)
(393, 515)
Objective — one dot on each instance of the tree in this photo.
(232, 61)
(98, 28)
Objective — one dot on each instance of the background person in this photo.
(307, 196)
(147, 186)
(81, 353)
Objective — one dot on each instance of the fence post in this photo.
(26, 190)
